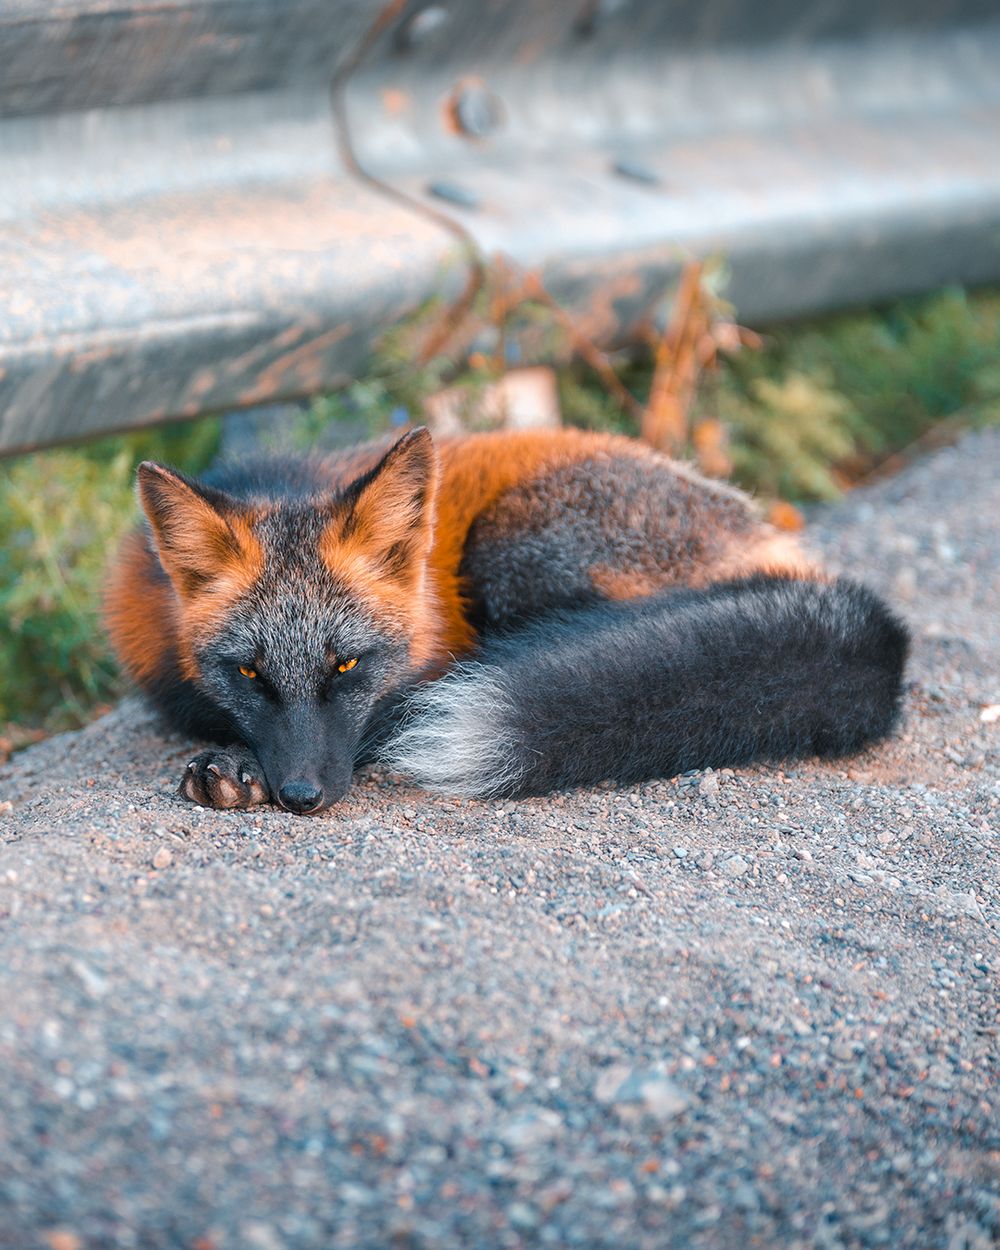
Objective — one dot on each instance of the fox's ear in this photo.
(200, 534)
(387, 515)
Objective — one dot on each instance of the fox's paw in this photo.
(230, 778)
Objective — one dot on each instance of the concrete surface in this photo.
(739, 1009)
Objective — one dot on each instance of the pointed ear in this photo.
(200, 535)
(387, 515)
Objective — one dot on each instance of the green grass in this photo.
(822, 403)
(61, 514)
(827, 400)
(845, 392)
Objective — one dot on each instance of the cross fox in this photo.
(502, 614)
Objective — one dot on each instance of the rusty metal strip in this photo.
(189, 221)
(831, 154)
(167, 259)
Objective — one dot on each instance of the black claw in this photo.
(197, 785)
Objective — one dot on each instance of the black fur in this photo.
(187, 710)
(566, 688)
(268, 477)
(538, 547)
(761, 669)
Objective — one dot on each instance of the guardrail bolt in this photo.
(636, 171)
(475, 111)
(453, 193)
(595, 14)
(423, 23)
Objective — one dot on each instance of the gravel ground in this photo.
(738, 1008)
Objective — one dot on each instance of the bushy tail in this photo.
(763, 669)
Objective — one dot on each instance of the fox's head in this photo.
(295, 616)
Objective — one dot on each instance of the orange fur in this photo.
(211, 557)
(379, 544)
(198, 543)
(475, 472)
(396, 541)
(777, 554)
(140, 611)
(620, 584)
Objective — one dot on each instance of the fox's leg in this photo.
(225, 777)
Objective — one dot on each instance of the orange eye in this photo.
(347, 666)
(247, 672)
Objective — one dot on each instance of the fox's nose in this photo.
(301, 796)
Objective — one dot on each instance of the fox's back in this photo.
(534, 519)
(524, 521)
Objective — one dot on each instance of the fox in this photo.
(497, 614)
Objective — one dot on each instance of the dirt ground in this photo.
(750, 1008)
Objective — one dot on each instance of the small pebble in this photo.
(845, 1048)
(163, 857)
(734, 866)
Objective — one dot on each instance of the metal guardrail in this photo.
(207, 204)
